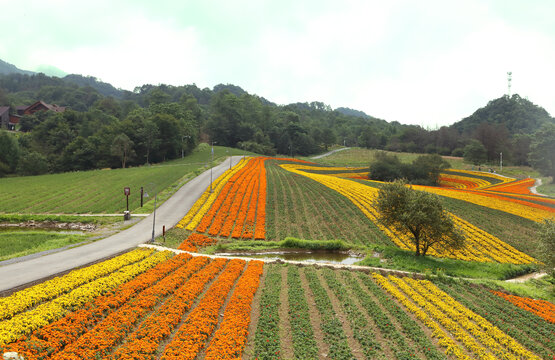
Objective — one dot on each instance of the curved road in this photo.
(329, 153)
(169, 213)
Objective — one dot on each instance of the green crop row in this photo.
(266, 340)
(331, 326)
(304, 345)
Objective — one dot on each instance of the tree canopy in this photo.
(418, 213)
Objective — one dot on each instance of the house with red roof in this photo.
(10, 120)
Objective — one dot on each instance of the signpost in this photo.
(126, 192)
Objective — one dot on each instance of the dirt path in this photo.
(329, 153)
(524, 278)
(533, 189)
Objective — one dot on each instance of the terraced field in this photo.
(150, 304)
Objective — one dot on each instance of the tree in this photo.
(9, 153)
(547, 244)
(149, 137)
(425, 169)
(475, 152)
(32, 163)
(542, 151)
(122, 147)
(419, 213)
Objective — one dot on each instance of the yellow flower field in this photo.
(480, 245)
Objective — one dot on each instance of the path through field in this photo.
(329, 153)
(18, 275)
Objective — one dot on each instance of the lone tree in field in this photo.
(419, 213)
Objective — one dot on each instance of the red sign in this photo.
(126, 191)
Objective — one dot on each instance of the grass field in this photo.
(16, 243)
(363, 157)
(101, 191)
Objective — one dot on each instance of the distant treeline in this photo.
(109, 127)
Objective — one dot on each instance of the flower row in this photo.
(26, 322)
(225, 196)
(240, 208)
(478, 335)
(525, 209)
(34, 295)
(542, 308)
(98, 341)
(52, 338)
(230, 339)
(480, 245)
(146, 339)
(200, 323)
(491, 336)
(515, 187)
(485, 179)
(460, 182)
(195, 241)
(202, 205)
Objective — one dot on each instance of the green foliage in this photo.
(475, 152)
(423, 170)
(16, 243)
(9, 153)
(419, 213)
(287, 243)
(394, 258)
(32, 163)
(542, 150)
(547, 244)
(266, 338)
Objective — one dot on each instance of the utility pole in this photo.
(509, 79)
(211, 163)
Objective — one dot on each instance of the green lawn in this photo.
(101, 191)
(15, 243)
(363, 157)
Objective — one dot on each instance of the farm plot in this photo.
(236, 207)
(157, 305)
(342, 314)
(531, 330)
(160, 306)
(480, 245)
(303, 208)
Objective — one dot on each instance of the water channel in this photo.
(296, 255)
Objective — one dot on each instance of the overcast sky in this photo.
(422, 62)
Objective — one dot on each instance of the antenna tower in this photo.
(509, 79)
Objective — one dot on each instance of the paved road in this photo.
(329, 153)
(27, 272)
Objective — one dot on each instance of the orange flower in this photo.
(230, 339)
(542, 308)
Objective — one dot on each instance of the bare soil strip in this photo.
(285, 332)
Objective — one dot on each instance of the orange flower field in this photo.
(542, 308)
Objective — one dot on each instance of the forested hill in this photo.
(517, 115)
(6, 68)
(154, 123)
